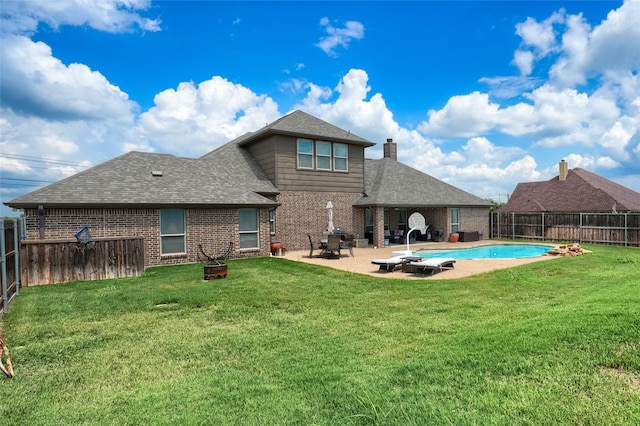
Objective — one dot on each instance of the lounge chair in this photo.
(390, 264)
(433, 265)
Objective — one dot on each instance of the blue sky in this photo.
(480, 94)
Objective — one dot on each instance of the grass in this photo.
(280, 342)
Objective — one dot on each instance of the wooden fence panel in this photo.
(59, 261)
(599, 228)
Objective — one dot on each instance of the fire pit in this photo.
(214, 268)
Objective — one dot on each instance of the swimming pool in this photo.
(496, 251)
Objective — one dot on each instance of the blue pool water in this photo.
(498, 251)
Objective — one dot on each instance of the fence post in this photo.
(3, 260)
(542, 226)
(580, 233)
(626, 230)
(16, 253)
(513, 225)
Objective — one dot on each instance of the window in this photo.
(248, 228)
(455, 220)
(402, 219)
(340, 157)
(272, 221)
(323, 155)
(368, 220)
(386, 219)
(305, 154)
(172, 231)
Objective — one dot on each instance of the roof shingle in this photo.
(393, 184)
(582, 191)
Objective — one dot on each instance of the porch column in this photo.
(378, 227)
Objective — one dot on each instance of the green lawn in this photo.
(280, 342)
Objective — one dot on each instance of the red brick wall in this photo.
(303, 213)
(213, 228)
(475, 219)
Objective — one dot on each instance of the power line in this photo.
(44, 160)
(24, 166)
(28, 180)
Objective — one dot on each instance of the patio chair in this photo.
(312, 246)
(346, 242)
(332, 250)
(398, 236)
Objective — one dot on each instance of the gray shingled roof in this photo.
(230, 176)
(389, 183)
(582, 191)
(301, 124)
(127, 181)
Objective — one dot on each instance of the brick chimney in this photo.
(391, 149)
(564, 170)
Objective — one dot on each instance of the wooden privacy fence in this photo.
(600, 228)
(59, 261)
(9, 255)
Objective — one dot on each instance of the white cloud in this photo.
(351, 110)
(538, 41)
(523, 59)
(463, 116)
(339, 36)
(192, 120)
(510, 86)
(571, 68)
(36, 83)
(115, 16)
(613, 48)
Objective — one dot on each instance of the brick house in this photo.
(265, 186)
(573, 190)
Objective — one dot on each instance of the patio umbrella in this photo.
(330, 215)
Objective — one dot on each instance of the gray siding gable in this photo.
(389, 183)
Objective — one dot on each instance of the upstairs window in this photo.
(340, 157)
(322, 155)
(305, 154)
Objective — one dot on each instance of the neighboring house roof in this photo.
(299, 123)
(389, 183)
(582, 191)
(128, 181)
